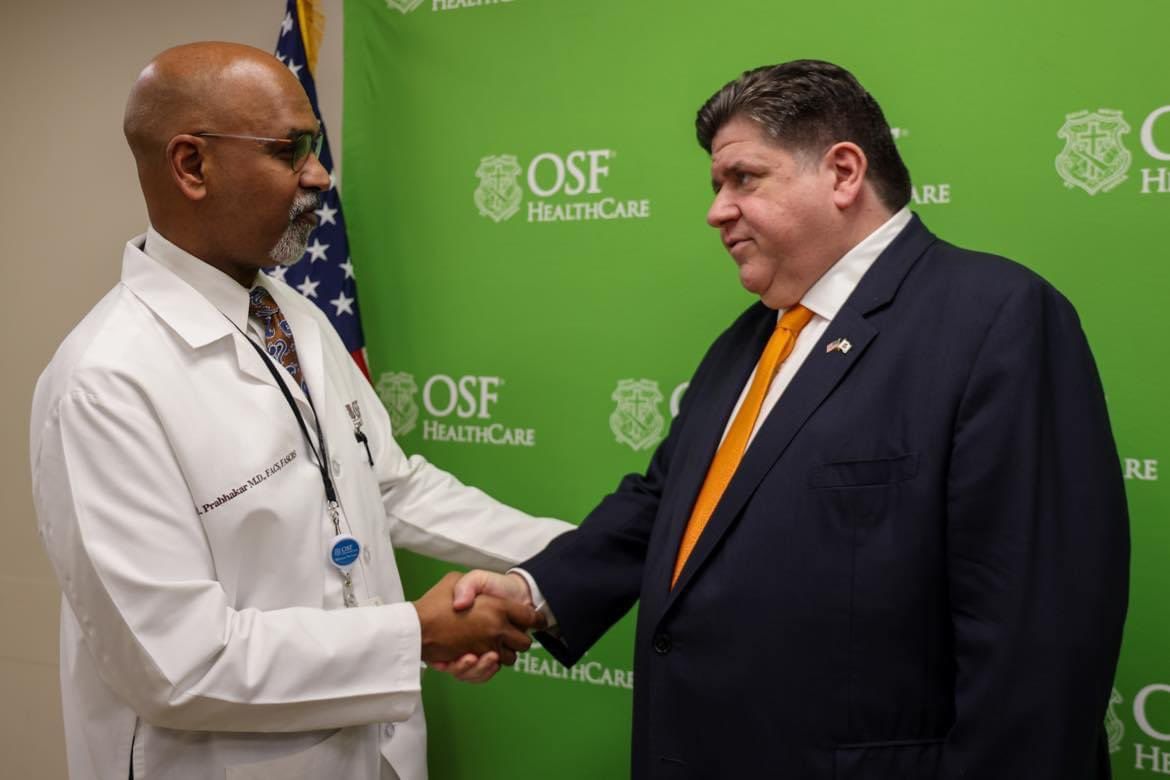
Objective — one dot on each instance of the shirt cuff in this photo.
(538, 601)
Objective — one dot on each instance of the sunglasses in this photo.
(303, 144)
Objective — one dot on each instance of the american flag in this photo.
(324, 274)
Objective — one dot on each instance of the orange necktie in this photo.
(730, 452)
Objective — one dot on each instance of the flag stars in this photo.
(326, 215)
(326, 286)
(344, 305)
(316, 250)
(308, 288)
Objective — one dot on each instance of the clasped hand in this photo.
(473, 623)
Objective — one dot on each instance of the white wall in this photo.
(69, 199)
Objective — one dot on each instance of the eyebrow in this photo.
(293, 132)
(724, 170)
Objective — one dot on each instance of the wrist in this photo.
(520, 587)
(425, 628)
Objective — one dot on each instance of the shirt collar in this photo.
(828, 295)
(223, 292)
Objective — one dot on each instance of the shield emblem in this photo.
(637, 421)
(498, 194)
(403, 6)
(1114, 728)
(397, 391)
(1093, 157)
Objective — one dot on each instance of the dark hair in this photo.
(806, 106)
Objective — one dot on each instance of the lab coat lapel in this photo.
(188, 313)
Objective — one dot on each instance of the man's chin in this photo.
(290, 261)
(287, 254)
(771, 295)
(751, 281)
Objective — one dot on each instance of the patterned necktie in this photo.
(278, 336)
(730, 452)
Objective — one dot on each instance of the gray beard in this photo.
(291, 245)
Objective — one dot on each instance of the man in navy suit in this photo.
(904, 552)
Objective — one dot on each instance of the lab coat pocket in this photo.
(350, 752)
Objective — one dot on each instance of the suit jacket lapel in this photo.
(698, 442)
(821, 372)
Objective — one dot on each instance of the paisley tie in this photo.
(278, 337)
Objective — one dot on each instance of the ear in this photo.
(185, 162)
(846, 161)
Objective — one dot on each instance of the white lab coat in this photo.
(203, 634)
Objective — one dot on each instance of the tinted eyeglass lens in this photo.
(303, 145)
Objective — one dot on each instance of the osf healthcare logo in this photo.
(1095, 157)
(448, 402)
(563, 187)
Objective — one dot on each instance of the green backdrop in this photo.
(526, 203)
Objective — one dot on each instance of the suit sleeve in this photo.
(1037, 550)
(591, 578)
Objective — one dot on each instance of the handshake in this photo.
(472, 623)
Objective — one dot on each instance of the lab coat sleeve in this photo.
(129, 551)
(433, 513)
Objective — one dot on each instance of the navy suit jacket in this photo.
(919, 569)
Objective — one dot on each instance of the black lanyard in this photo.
(322, 456)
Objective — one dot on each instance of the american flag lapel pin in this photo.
(839, 345)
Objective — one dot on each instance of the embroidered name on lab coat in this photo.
(252, 481)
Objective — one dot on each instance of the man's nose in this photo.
(722, 210)
(314, 176)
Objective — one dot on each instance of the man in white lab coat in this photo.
(232, 609)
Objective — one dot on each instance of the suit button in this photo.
(662, 643)
(388, 730)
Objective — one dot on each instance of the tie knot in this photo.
(261, 304)
(795, 318)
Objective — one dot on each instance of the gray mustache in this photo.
(304, 203)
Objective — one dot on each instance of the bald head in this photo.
(202, 86)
